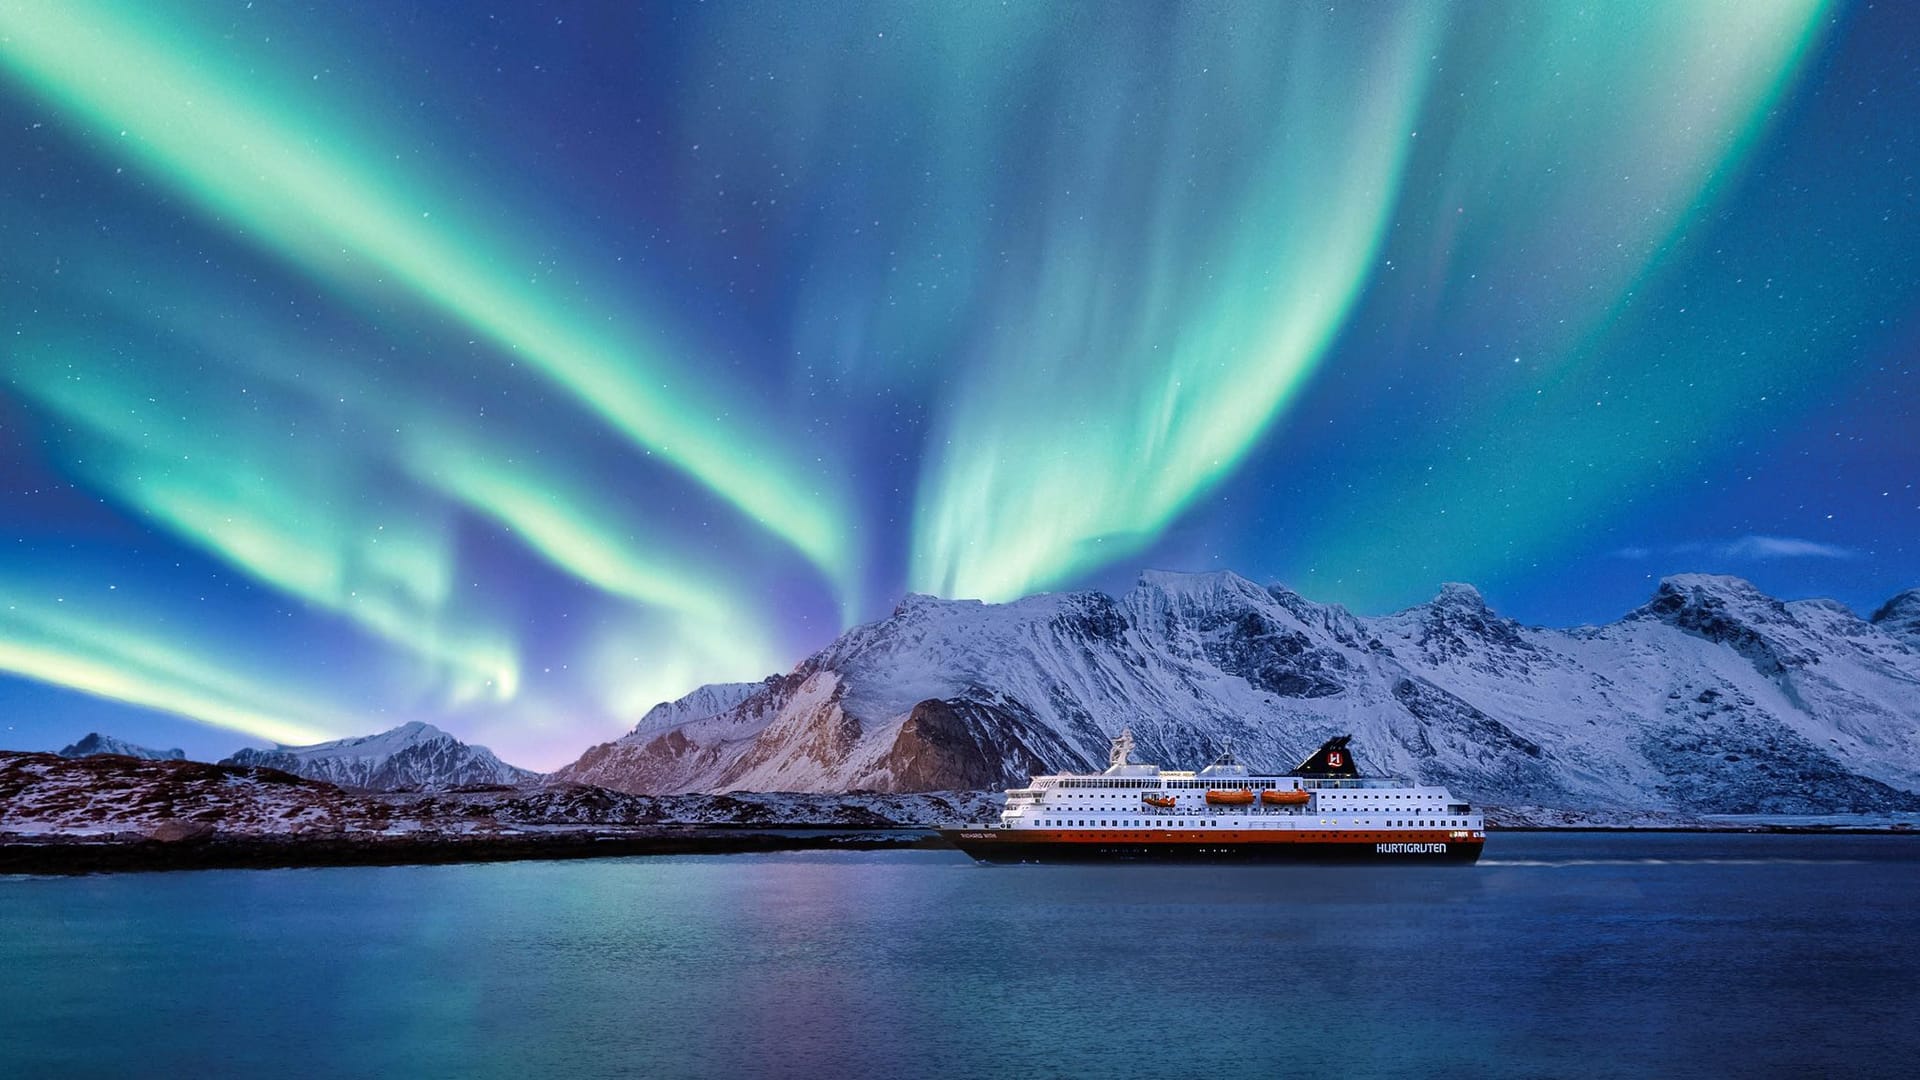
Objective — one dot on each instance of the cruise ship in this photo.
(1325, 810)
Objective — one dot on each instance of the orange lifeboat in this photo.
(1285, 797)
(1240, 797)
(1165, 802)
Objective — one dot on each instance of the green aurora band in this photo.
(196, 114)
(1104, 303)
(52, 633)
(299, 514)
(1491, 494)
(1045, 471)
(713, 632)
(327, 517)
(1049, 470)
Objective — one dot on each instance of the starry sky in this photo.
(516, 369)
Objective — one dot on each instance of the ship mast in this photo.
(1122, 749)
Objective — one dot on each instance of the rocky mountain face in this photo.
(96, 743)
(1900, 617)
(1711, 698)
(411, 757)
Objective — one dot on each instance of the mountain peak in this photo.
(96, 743)
(698, 704)
(1729, 610)
(1193, 580)
(1900, 616)
(1457, 625)
(411, 733)
(1200, 589)
(1906, 602)
(915, 601)
(1723, 594)
(1710, 584)
(414, 755)
(1460, 594)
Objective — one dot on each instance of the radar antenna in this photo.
(1226, 755)
(1122, 748)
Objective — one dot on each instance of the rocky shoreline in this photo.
(122, 854)
(133, 852)
(114, 814)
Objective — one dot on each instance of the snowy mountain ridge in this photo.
(1712, 697)
(413, 756)
(96, 743)
(1900, 617)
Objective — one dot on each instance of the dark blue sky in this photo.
(514, 370)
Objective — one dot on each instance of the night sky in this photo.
(515, 370)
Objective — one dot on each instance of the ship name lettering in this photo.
(1410, 849)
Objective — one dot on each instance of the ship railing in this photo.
(1360, 782)
(1225, 811)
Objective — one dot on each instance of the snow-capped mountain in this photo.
(413, 756)
(1713, 697)
(96, 743)
(1900, 617)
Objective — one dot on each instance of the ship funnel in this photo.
(1332, 761)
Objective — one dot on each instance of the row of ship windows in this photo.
(1103, 783)
(1106, 784)
(1114, 784)
(1168, 786)
(1216, 787)
(1204, 823)
(1185, 823)
(1343, 810)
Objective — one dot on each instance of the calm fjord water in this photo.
(1559, 955)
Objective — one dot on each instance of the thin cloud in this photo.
(1783, 547)
(1753, 547)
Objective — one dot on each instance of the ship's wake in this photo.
(1668, 862)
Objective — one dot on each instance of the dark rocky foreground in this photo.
(112, 813)
(211, 851)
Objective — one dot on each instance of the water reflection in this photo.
(1635, 955)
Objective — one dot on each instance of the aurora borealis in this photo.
(516, 369)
